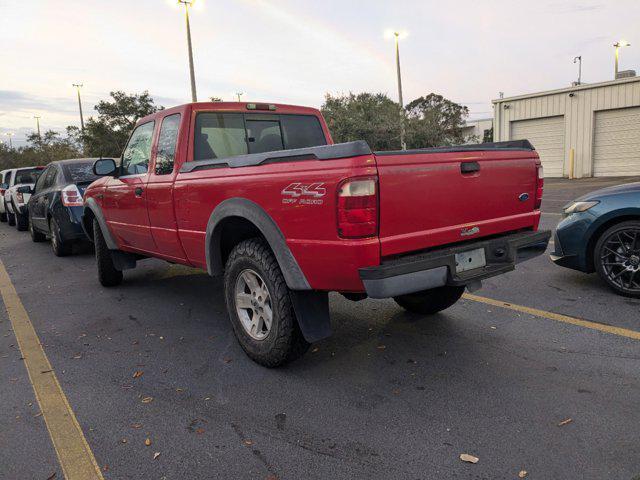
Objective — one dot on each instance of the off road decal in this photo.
(304, 194)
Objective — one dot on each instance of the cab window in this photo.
(167, 140)
(219, 135)
(135, 159)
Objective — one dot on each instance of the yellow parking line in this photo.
(75, 456)
(622, 332)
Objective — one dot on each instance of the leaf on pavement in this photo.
(564, 422)
(200, 431)
(147, 441)
(147, 400)
(465, 457)
(522, 474)
(156, 455)
(381, 347)
(248, 443)
(136, 425)
(138, 374)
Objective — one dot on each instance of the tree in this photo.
(40, 150)
(488, 135)
(364, 116)
(107, 134)
(434, 121)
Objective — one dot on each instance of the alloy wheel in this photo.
(620, 258)
(253, 304)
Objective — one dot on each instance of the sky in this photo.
(296, 51)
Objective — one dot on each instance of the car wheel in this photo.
(22, 222)
(60, 247)
(3, 217)
(107, 273)
(617, 258)
(11, 219)
(431, 301)
(260, 307)
(35, 235)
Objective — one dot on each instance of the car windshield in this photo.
(27, 176)
(79, 172)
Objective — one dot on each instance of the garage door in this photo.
(547, 136)
(616, 143)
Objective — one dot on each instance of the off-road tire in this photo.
(11, 219)
(284, 342)
(107, 273)
(22, 222)
(35, 235)
(60, 247)
(428, 302)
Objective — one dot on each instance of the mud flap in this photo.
(123, 260)
(312, 311)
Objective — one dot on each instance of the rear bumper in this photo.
(70, 223)
(414, 273)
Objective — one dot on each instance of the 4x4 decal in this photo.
(304, 194)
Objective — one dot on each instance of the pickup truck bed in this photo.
(415, 225)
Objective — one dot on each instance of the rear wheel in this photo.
(60, 247)
(260, 307)
(107, 273)
(617, 258)
(431, 301)
(11, 219)
(35, 235)
(22, 222)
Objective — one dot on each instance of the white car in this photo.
(15, 201)
(5, 177)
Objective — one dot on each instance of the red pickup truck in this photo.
(260, 194)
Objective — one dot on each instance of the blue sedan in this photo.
(600, 233)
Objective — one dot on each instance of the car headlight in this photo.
(577, 207)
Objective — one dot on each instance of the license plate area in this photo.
(470, 260)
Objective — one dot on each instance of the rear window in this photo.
(79, 172)
(222, 135)
(27, 176)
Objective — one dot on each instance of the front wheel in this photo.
(11, 219)
(431, 301)
(617, 258)
(36, 236)
(260, 307)
(22, 222)
(107, 273)
(3, 217)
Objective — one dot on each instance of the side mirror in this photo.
(105, 167)
(25, 189)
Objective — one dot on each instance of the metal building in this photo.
(585, 130)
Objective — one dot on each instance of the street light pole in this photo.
(38, 117)
(402, 130)
(618, 44)
(239, 94)
(10, 134)
(78, 86)
(187, 4)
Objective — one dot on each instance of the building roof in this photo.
(584, 86)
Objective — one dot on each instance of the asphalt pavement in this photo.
(162, 390)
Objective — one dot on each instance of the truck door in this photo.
(125, 201)
(164, 228)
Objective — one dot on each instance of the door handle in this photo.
(469, 167)
(138, 191)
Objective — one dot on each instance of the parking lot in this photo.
(161, 389)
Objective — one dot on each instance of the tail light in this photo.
(20, 197)
(358, 208)
(71, 196)
(539, 186)
(2, 190)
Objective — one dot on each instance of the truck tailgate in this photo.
(428, 199)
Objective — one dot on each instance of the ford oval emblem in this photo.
(523, 197)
